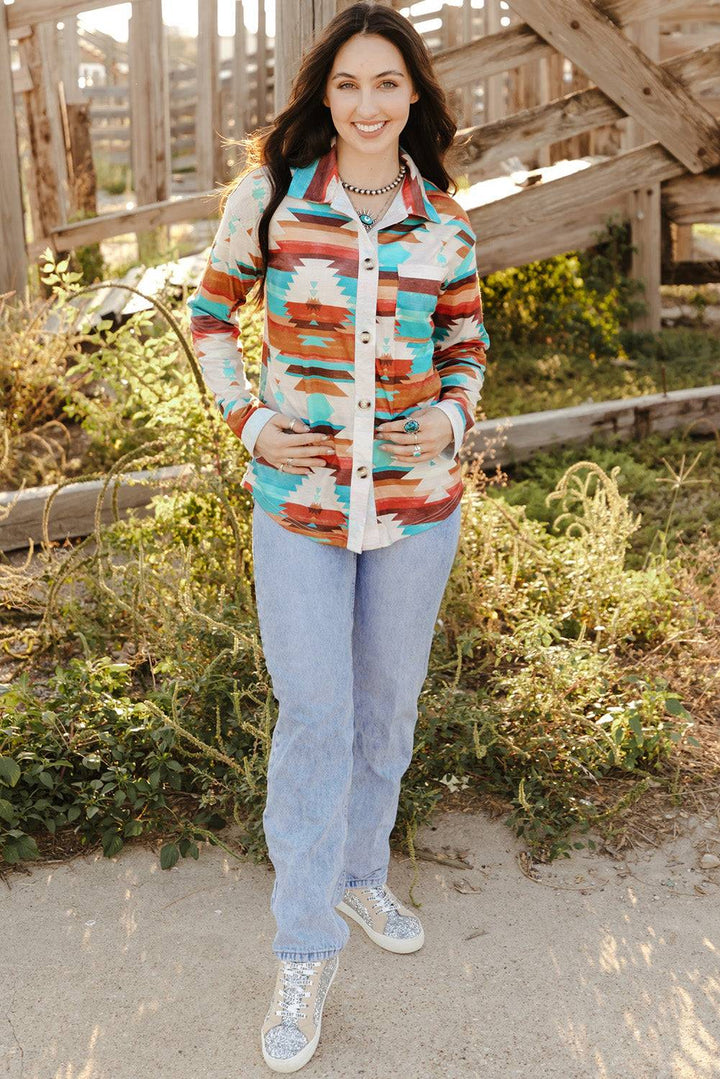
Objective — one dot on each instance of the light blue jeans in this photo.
(346, 638)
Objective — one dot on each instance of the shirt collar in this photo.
(320, 182)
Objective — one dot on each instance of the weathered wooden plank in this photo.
(693, 198)
(520, 44)
(46, 204)
(72, 512)
(207, 114)
(240, 81)
(13, 260)
(575, 231)
(570, 114)
(170, 212)
(516, 438)
(32, 12)
(295, 25)
(560, 199)
(149, 98)
(642, 88)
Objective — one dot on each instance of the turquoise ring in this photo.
(411, 425)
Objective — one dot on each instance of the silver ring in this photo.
(417, 450)
(292, 425)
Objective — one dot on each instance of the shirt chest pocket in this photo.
(418, 288)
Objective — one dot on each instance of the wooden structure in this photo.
(631, 85)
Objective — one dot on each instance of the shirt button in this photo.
(365, 336)
(364, 404)
(362, 471)
(368, 263)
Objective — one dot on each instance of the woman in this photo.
(372, 363)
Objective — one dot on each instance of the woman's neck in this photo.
(367, 170)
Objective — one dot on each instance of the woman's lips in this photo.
(369, 134)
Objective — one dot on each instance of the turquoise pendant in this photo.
(366, 219)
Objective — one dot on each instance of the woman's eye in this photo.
(387, 82)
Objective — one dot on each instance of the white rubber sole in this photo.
(399, 945)
(293, 1064)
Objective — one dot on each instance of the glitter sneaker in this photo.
(383, 917)
(291, 1030)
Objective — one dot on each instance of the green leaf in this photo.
(675, 707)
(169, 856)
(6, 810)
(9, 771)
(133, 827)
(112, 844)
(20, 849)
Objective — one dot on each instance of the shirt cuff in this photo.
(254, 426)
(452, 411)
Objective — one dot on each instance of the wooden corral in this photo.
(630, 86)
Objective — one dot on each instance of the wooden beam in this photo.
(516, 438)
(520, 44)
(72, 512)
(240, 81)
(295, 26)
(559, 199)
(640, 87)
(543, 238)
(207, 114)
(13, 260)
(644, 202)
(150, 119)
(43, 173)
(169, 212)
(32, 12)
(688, 199)
(524, 132)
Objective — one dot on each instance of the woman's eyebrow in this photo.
(347, 75)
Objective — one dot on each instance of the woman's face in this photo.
(369, 85)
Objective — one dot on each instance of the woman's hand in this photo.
(436, 431)
(276, 443)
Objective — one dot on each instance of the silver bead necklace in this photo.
(365, 216)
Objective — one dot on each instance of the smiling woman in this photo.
(372, 363)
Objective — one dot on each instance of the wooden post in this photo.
(261, 54)
(44, 172)
(493, 94)
(295, 26)
(207, 114)
(71, 60)
(149, 111)
(644, 203)
(13, 261)
(240, 82)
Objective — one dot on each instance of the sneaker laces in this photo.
(383, 902)
(294, 991)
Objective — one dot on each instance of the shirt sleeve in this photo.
(234, 265)
(459, 336)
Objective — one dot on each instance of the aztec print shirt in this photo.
(359, 328)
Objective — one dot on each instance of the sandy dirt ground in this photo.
(592, 967)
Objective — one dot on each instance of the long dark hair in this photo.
(303, 130)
